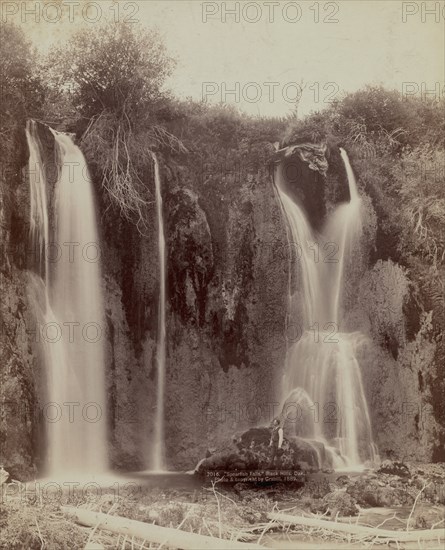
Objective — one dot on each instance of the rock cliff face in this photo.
(18, 367)
(224, 338)
(227, 296)
(226, 312)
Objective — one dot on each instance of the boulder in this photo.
(341, 503)
(372, 492)
(394, 468)
(250, 450)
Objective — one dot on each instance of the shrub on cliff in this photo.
(419, 179)
(208, 129)
(20, 86)
(114, 79)
(119, 68)
(373, 122)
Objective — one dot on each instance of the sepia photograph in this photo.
(222, 260)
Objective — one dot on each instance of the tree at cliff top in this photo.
(21, 89)
(114, 77)
(119, 67)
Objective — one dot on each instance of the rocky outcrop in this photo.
(395, 364)
(226, 304)
(250, 451)
(304, 169)
(18, 368)
(340, 503)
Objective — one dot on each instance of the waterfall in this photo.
(72, 313)
(158, 456)
(322, 362)
(39, 227)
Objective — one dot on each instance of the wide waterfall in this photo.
(71, 313)
(322, 360)
(158, 455)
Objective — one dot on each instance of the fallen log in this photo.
(170, 538)
(360, 530)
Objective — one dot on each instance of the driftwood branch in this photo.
(415, 502)
(170, 538)
(360, 530)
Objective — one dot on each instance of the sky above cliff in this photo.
(264, 56)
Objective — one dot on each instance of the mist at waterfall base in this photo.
(69, 294)
(322, 378)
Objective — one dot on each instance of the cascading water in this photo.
(72, 313)
(322, 362)
(39, 227)
(158, 456)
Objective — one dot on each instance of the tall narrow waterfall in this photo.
(158, 456)
(39, 227)
(322, 362)
(73, 338)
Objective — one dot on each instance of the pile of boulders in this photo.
(394, 484)
(397, 484)
(250, 451)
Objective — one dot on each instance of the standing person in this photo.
(276, 442)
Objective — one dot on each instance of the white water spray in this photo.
(158, 456)
(323, 360)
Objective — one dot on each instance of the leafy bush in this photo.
(20, 87)
(119, 68)
(374, 121)
(113, 77)
(419, 178)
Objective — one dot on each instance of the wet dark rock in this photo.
(311, 454)
(315, 488)
(250, 450)
(312, 154)
(394, 468)
(304, 177)
(342, 480)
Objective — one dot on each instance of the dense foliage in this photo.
(109, 87)
(397, 147)
(21, 89)
(120, 69)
